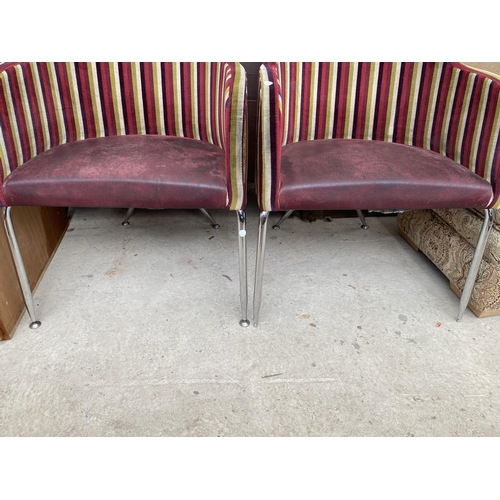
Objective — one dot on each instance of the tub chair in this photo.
(377, 136)
(145, 135)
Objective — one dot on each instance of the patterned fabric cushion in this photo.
(467, 223)
(452, 253)
(43, 105)
(496, 217)
(443, 107)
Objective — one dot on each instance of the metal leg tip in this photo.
(244, 322)
(126, 223)
(276, 226)
(35, 325)
(216, 226)
(364, 226)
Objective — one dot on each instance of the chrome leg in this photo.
(210, 218)
(21, 271)
(362, 219)
(259, 266)
(242, 247)
(130, 211)
(284, 218)
(476, 261)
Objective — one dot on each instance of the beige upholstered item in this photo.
(448, 239)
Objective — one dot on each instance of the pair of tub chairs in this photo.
(346, 136)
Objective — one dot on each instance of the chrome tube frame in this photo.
(130, 211)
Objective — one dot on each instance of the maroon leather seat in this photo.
(348, 174)
(143, 171)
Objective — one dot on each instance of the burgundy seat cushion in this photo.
(142, 171)
(347, 174)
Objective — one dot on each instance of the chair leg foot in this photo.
(259, 266)
(362, 219)
(284, 218)
(476, 262)
(20, 269)
(130, 211)
(242, 251)
(207, 214)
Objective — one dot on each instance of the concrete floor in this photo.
(140, 336)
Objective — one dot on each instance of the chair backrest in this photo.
(442, 107)
(43, 105)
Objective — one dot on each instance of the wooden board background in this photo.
(39, 231)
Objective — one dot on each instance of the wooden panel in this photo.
(39, 231)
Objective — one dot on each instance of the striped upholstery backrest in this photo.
(442, 107)
(43, 105)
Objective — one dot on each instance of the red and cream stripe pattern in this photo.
(443, 107)
(43, 105)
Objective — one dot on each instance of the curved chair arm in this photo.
(478, 71)
(270, 136)
(480, 112)
(235, 132)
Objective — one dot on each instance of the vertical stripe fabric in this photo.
(43, 105)
(274, 104)
(235, 128)
(443, 107)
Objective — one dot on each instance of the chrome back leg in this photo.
(284, 218)
(476, 262)
(210, 218)
(130, 211)
(362, 219)
(19, 265)
(259, 266)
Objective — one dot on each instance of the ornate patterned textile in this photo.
(448, 239)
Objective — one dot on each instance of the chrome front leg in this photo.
(242, 248)
(476, 262)
(259, 266)
(21, 271)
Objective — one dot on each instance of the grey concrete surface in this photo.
(140, 336)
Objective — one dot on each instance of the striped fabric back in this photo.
(442, 107)
(43, 105)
